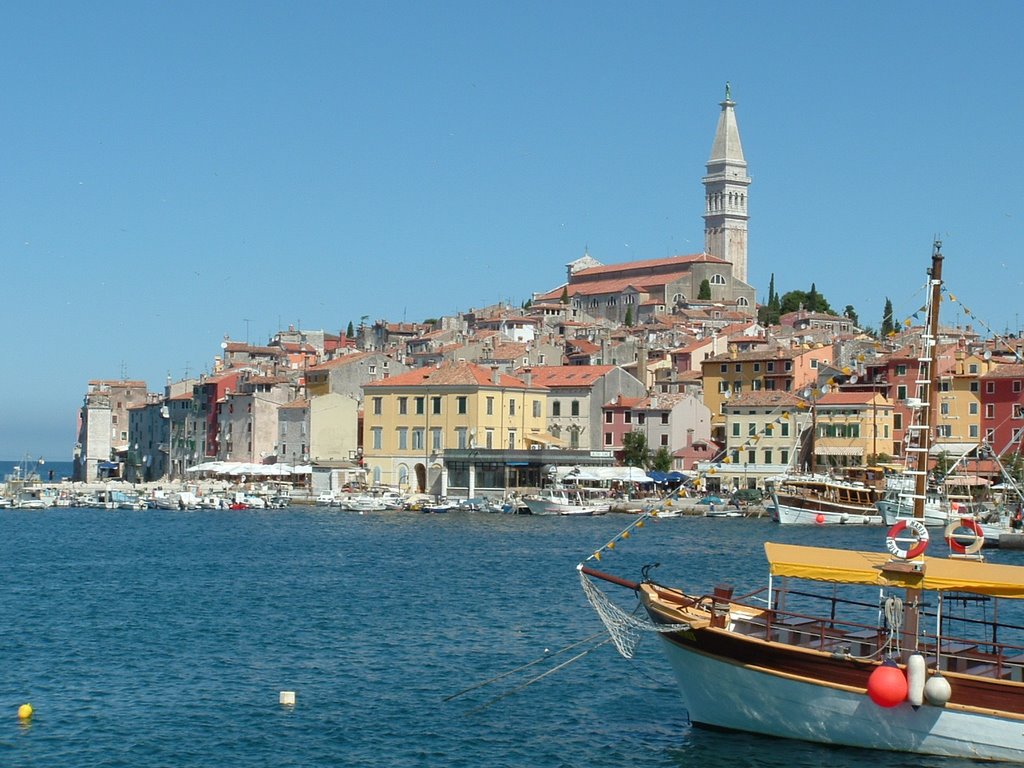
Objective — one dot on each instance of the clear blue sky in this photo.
(176, 171)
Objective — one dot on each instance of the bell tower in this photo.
(725, 193)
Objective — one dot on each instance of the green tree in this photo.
(565, 295)
(351, 331)
(662, 460)
(628, 321)
(887, 322)
(851, 313)
(704, 292)
(635, 452)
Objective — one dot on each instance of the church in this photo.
(644, 289)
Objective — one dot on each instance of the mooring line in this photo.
(524, 666)
(539, 677)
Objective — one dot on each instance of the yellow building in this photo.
(765, 368)
(958, 427)
(410, 419)
(850, 427)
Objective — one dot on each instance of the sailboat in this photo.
(870, 649)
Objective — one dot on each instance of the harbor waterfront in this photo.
(165, 638)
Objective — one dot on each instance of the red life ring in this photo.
(913, 551)
(972, 526)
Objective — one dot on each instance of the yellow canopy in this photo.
(852, 567)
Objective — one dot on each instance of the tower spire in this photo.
(725, 193)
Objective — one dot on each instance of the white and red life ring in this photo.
(916, 549)
(972, 527)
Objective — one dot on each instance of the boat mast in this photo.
(927, 369)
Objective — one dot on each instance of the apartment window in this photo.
(512, 440)
(972, 368)
(435, 405)
(735, 429)
(990, 387)
(641, 418)
(972, 409)
(751, 457)
(417, 439)
(664, 418)
(377, 434)
(725, 367)
(972, 431)
(752, 428)
(990, 410)
(490, 408)
(373, 369)
(537, 413)
(511, 407)
(901, 370)
(974, 387)
(739, 367)
(607, 438)
(556, 408)
(897, 421)
(461, 404)
(664, 440)
(768, 456)
(901, 392)
(377, 408)
(462, 435)
(784, 456)
(1016, 385)
(627, 417)
(990, 436)
(1018, 411)
(608, 416)
(769, 367)
(420, 403)
(574, 408)
(403, 438)
(944, 409)
(403, 406)
(757, 367)
(489, 439)
(789, 365)
(435, 438)
(944, 430)
(785, 429)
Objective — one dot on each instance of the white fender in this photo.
(916, 672)
(937, 690)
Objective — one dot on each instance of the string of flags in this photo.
(624, 534)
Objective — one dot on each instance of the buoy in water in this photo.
(287, 698)
(25, 712)
(887, 685)
(937, 690)
(819, 518)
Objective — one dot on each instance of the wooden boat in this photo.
(820, 500)
(887, 649)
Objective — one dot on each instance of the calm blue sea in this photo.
(164, 638)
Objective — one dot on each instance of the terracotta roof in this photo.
(764, 398)
(569, 376)
(624, 402)
(647, 264)
(846, 398)
(300, 403)
(451, 374)
(1005, 371)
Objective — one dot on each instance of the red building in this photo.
(1002, 408)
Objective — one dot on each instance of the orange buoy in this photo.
(887, 685)
(819, 518)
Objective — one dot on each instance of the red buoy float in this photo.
(887, 685)
(819, 519)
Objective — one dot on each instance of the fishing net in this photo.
(625, 629)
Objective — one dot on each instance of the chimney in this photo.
(528, 376)
(495, 376)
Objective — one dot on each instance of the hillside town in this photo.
(673, 355)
